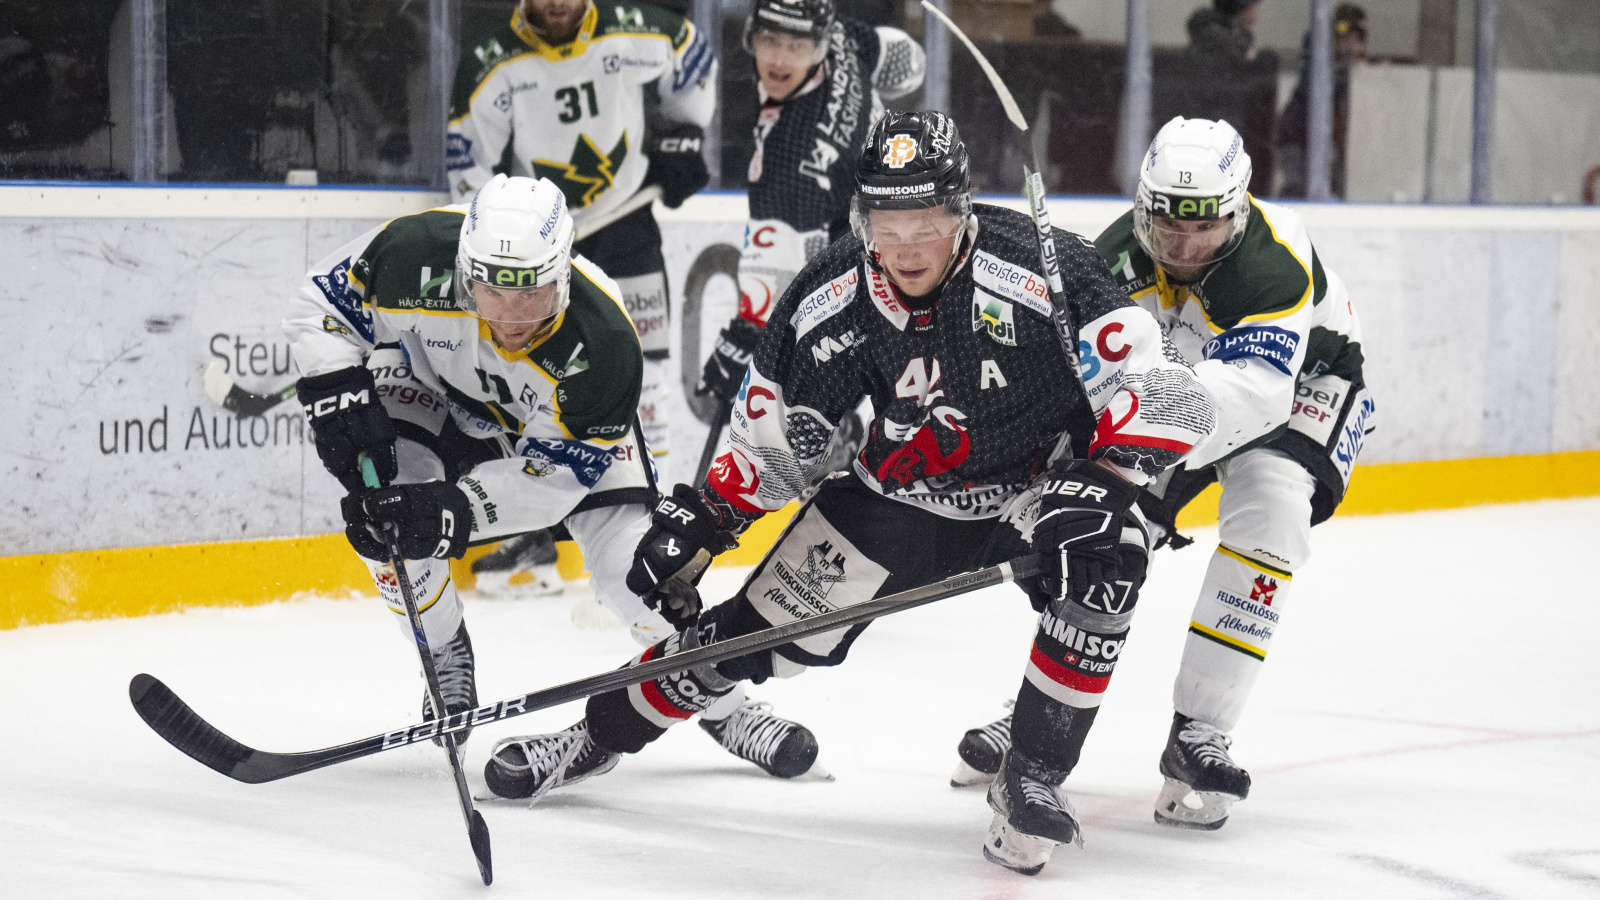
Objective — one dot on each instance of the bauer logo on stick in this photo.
(901, 150)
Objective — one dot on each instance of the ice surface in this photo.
(1427, 726)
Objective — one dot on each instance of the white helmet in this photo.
(1196, 171)
(517, 240)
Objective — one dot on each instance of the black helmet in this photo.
(911, 160)
(801, 18)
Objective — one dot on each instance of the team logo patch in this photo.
(538, 468)
(991, 314)
(1263, 589)
(901, 150)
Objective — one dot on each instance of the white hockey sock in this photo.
(435, 594)
(1229, 636)
(726, 705)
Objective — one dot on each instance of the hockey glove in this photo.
(433, 520)
(347, 419)
(724, 371)
(677, 165)
(674, 553)
(1079, 532)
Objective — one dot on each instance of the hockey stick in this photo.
(1033, 183)
(477, 829)
(222, 391)
(708, 453)
(645, 197)
(182, 727)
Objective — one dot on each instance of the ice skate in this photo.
(1203, 782)
(981, 751)
(782, 748)
(1030, 818)
(522, 566)
(455, 667)
(533, 765)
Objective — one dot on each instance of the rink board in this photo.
(1480, 330)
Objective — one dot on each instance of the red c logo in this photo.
(1106, 352)
(750, 401)
(763, 236)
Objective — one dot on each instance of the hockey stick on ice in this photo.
(477, 829)
(222, 391)
(1033, 183)
(182, 727)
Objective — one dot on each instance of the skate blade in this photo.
(966, 776)
(1008, 847)
(815, 773)
(1180, 806)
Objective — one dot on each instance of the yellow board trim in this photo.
(97, 584)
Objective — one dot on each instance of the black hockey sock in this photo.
(1048, 734)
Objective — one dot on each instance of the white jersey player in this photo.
(1271, 331)
(493, 380)
(560, 91)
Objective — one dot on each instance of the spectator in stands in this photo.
(1222, 75)
(1349, 48)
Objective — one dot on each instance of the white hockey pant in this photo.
(1265, 537)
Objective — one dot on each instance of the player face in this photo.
(915, 245)
(782, 60)
(1187, 246)
(556, 20)
(516, 315)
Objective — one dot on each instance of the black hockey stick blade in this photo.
(225, 393)
(478, 834)
(179, 725)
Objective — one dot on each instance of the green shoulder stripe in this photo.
(596, 361)
(1330, 353)
(490, 49)
(643, 18)
(1131, 267)
(1263, 276)
(411, 263)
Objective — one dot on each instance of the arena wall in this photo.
(129, 491)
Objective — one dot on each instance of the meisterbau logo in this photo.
(1011, 281)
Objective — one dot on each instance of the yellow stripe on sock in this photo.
(1234, 643)
(1261, 567)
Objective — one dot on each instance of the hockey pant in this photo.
(629, 250)
(607, 524)
(848, 545)
(1265, 537)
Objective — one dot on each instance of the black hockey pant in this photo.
(848, 545)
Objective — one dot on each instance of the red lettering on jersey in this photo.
(763, 236)
(1102, 344)
(750, 401)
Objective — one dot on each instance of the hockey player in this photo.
(822, 81)
(492, 377)
(984, 438)
(1272, 334)
(560, 92)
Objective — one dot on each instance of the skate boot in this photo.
(981, 751)
(1031, 817)
(454, 665)
(1202, 780)
(522, 566)
(782, 748)
(532, 765)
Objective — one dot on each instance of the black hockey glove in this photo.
(347, 419)
(433, 518)
(1079, 532)
(674, 553)
(724, 371)
(677, 164)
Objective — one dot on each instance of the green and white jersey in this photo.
(1266, 316)
(562, 404)
(575, 114)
